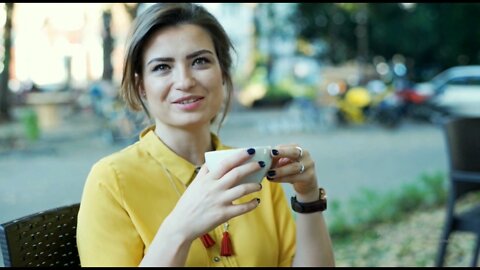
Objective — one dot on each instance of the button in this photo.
(216, 259)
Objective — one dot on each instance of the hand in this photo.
(207, 202)
(292, 164)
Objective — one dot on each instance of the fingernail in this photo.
(258, 200)
(271, 173)
(269, 178)
(274, 152)
(261, 163)
(251, 151)
(260, 186)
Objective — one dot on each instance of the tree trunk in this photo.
(5, 103)
(270, 43)
(108, 41)
(107, 46)
(131, 10)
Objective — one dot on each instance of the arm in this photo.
(314, 247)
(106, 235)
(173, 246)
(313, 244)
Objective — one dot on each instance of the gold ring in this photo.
(301, 151)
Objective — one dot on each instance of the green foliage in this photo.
(330, 22)
(283, 90)
(291, 88)
(259, 75)
(370, 208)
(432, 36)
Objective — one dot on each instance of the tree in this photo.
(5, 103)
(132, 9)
(332, 23)
(433, 36)
(107, 45)
(108, 40)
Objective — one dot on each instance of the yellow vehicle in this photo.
(353, 105)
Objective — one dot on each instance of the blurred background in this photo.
(364, 87)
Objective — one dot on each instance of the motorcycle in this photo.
(352, 106)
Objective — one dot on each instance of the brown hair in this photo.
(163, 15)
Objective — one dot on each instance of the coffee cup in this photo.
(262, 153)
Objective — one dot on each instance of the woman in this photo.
(155, 204)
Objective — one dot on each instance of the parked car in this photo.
(455, 91)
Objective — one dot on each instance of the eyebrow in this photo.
(170, 59)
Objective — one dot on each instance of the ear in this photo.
(139, 83)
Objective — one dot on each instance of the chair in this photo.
(462, 136)
(47, 238)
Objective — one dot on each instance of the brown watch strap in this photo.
(310, 207)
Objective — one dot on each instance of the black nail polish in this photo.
(274, 152)
(260, 186)
(251, 151)
(258, 200)
(269, 178)
(261, 163)
(271, 173)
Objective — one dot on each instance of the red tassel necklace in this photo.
(207, 240)
(226, 248)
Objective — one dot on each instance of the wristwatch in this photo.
(310, 207)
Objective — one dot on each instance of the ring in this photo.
(301, 151)
(302, 169)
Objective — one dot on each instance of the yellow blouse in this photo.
(128, 194)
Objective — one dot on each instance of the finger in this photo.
(232, 161)
(203, 170)
(239, 191)
(276, 154)
(239, 209)
(234, 176)
(291, 169)
(289, 151)
(282, 162)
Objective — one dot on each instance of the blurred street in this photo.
(51, 172)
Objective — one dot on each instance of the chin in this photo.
(191, 123)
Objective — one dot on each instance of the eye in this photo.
(161, 67)
(201, 61)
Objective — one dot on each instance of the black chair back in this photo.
(463, 142)
(463, 145)
(47, 238)
(462, 136)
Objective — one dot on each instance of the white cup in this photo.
(262, 153)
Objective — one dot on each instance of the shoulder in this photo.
(108, 167)
(124, 155)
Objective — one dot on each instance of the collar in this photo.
(181, 168)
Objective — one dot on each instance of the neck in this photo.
(189, 144)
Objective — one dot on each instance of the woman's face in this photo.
(182, 78)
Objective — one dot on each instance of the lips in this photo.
(187, 100)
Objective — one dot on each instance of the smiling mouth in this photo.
(188, 101)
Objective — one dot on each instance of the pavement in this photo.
(51, 171)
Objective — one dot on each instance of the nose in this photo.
(184, 79)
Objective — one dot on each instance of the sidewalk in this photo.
(50, 171)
